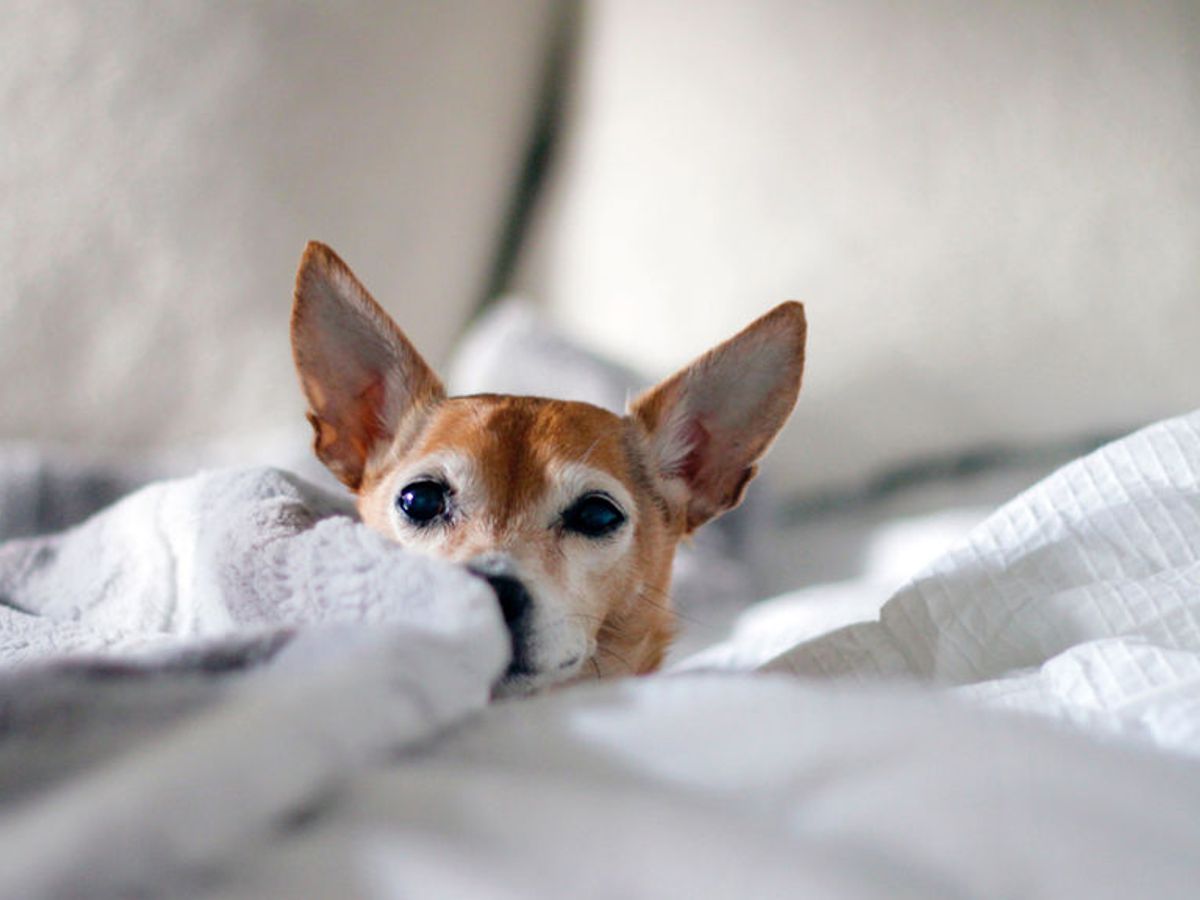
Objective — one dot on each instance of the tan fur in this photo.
(516, 442)
(683, 455)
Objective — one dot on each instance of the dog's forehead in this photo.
(519, 442)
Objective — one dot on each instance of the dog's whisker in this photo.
(618, 657)
(586, 617)
(669, 607)
(613, 628)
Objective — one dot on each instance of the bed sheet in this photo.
(1018, 719)
(1021, 716)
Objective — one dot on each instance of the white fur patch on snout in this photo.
(494, 564)
(555, 643)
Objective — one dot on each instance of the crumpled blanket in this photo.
(272, 746)
(202, 660)
(818, 767)
(1078, 600)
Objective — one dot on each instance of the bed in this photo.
(222, 685)
(949, 645)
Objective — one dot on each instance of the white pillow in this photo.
(163, 166)
(990, 210)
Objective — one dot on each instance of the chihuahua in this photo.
(571, 512)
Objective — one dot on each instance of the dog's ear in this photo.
(709, 423)
(360, 373)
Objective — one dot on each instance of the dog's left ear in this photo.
(710, 423)
(360, 373)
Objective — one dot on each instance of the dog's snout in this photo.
(486, 565)
(514, 599)
(517, 608)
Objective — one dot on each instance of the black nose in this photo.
(514, 599)
(516, 606)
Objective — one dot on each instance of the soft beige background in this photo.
(991, 210)
(163, 163)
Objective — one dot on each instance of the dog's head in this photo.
(571, 512)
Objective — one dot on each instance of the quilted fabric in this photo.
(1080, 598)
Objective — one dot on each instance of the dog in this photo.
(571, 512)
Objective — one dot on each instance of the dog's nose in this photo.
(514, 599)
(516, 605)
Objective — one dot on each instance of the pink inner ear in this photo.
(369, 407)
(697, 439)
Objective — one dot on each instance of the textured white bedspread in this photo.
(760, 777)
(1079, 599)
(881, 758)
(191, 666)
(749, 786)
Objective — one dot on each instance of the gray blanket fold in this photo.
(188, 667)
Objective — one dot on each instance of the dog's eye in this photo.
(593, 515)
(423, 501)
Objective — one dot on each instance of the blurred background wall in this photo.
(164, 162)
(991, 210)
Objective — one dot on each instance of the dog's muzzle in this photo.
(516, 605)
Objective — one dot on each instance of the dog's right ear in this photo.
(709, 423)
(359, 372)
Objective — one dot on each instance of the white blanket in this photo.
(203, 659)
(1077, 601)
(748, 786)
